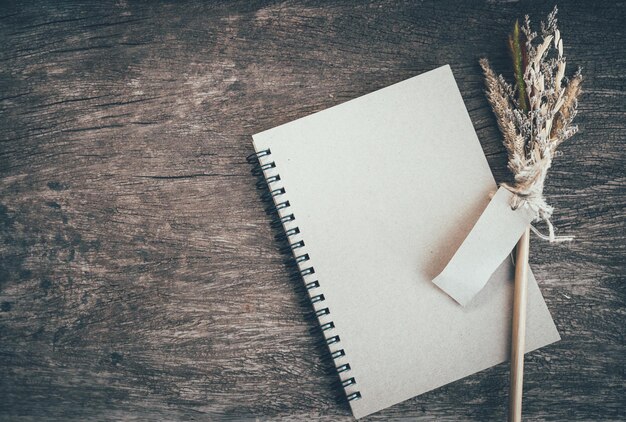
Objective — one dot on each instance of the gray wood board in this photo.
(139, 277)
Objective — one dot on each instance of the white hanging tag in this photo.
(490, 241)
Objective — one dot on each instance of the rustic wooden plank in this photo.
(138, 273)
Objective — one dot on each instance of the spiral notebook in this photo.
(375, 195)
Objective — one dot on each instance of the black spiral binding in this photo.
(276, 195)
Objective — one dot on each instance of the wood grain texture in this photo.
(139, 278)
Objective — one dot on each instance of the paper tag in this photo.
(491, 240)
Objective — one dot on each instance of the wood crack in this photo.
(187, 176)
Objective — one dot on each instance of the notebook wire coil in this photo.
(265, 169)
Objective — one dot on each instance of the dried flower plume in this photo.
(535, 114)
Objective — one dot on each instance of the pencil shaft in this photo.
(518, 338)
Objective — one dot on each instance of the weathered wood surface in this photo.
(138, 275)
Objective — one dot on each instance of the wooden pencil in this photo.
(518, 336)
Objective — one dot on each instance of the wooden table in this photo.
(139, 278)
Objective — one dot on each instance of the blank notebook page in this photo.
(384, 189)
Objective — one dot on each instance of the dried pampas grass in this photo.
(535, 114)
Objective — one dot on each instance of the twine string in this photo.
(528, 192)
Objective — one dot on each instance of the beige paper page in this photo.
(384, 189)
